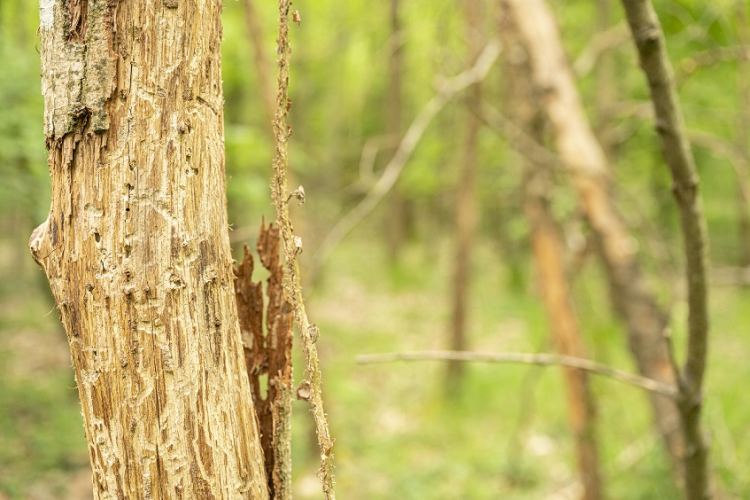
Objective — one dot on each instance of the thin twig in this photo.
(390, 175)
(525, 358)
(310, 389)
(518, 140)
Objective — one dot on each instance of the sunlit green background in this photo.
(397, 435)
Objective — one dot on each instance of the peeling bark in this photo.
(136, 247)
(268, 351)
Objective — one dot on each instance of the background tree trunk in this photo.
(136, 247)
(398, 209)
(584, 158)
(549, 251)
(466, 204)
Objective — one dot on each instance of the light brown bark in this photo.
(584, 159)
(466, 205)
(549, 250)
(548, 255)
(136, 247)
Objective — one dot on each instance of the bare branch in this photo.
(675, 147)
(448, 89)
(599, 44)
(525, 358)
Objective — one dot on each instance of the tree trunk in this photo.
(466, 205)
(548, 255)
(136, 247)
(549, 250)
(396, 223)
(605, 90)
(584, 158)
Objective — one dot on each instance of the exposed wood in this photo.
(267, 336)
(586, 163)
(136, 247)
(675, 147)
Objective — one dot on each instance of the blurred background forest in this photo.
(361, 73)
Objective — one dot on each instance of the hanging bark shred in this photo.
(268, 351)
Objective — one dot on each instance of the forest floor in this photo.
(398, 432)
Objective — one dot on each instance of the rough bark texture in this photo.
(136, 247)
(268, 352)
(675, 149)
(584, 158)
(466, 205)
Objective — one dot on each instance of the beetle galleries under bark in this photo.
(136, 247)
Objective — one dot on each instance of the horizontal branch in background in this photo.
(541, 359)
(448, 89)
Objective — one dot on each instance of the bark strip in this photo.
(675, 147)
(268, 352)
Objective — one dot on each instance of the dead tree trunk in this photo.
(136, 247)
(466, 209)
(584, 158)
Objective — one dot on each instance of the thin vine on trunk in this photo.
(311, 388)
